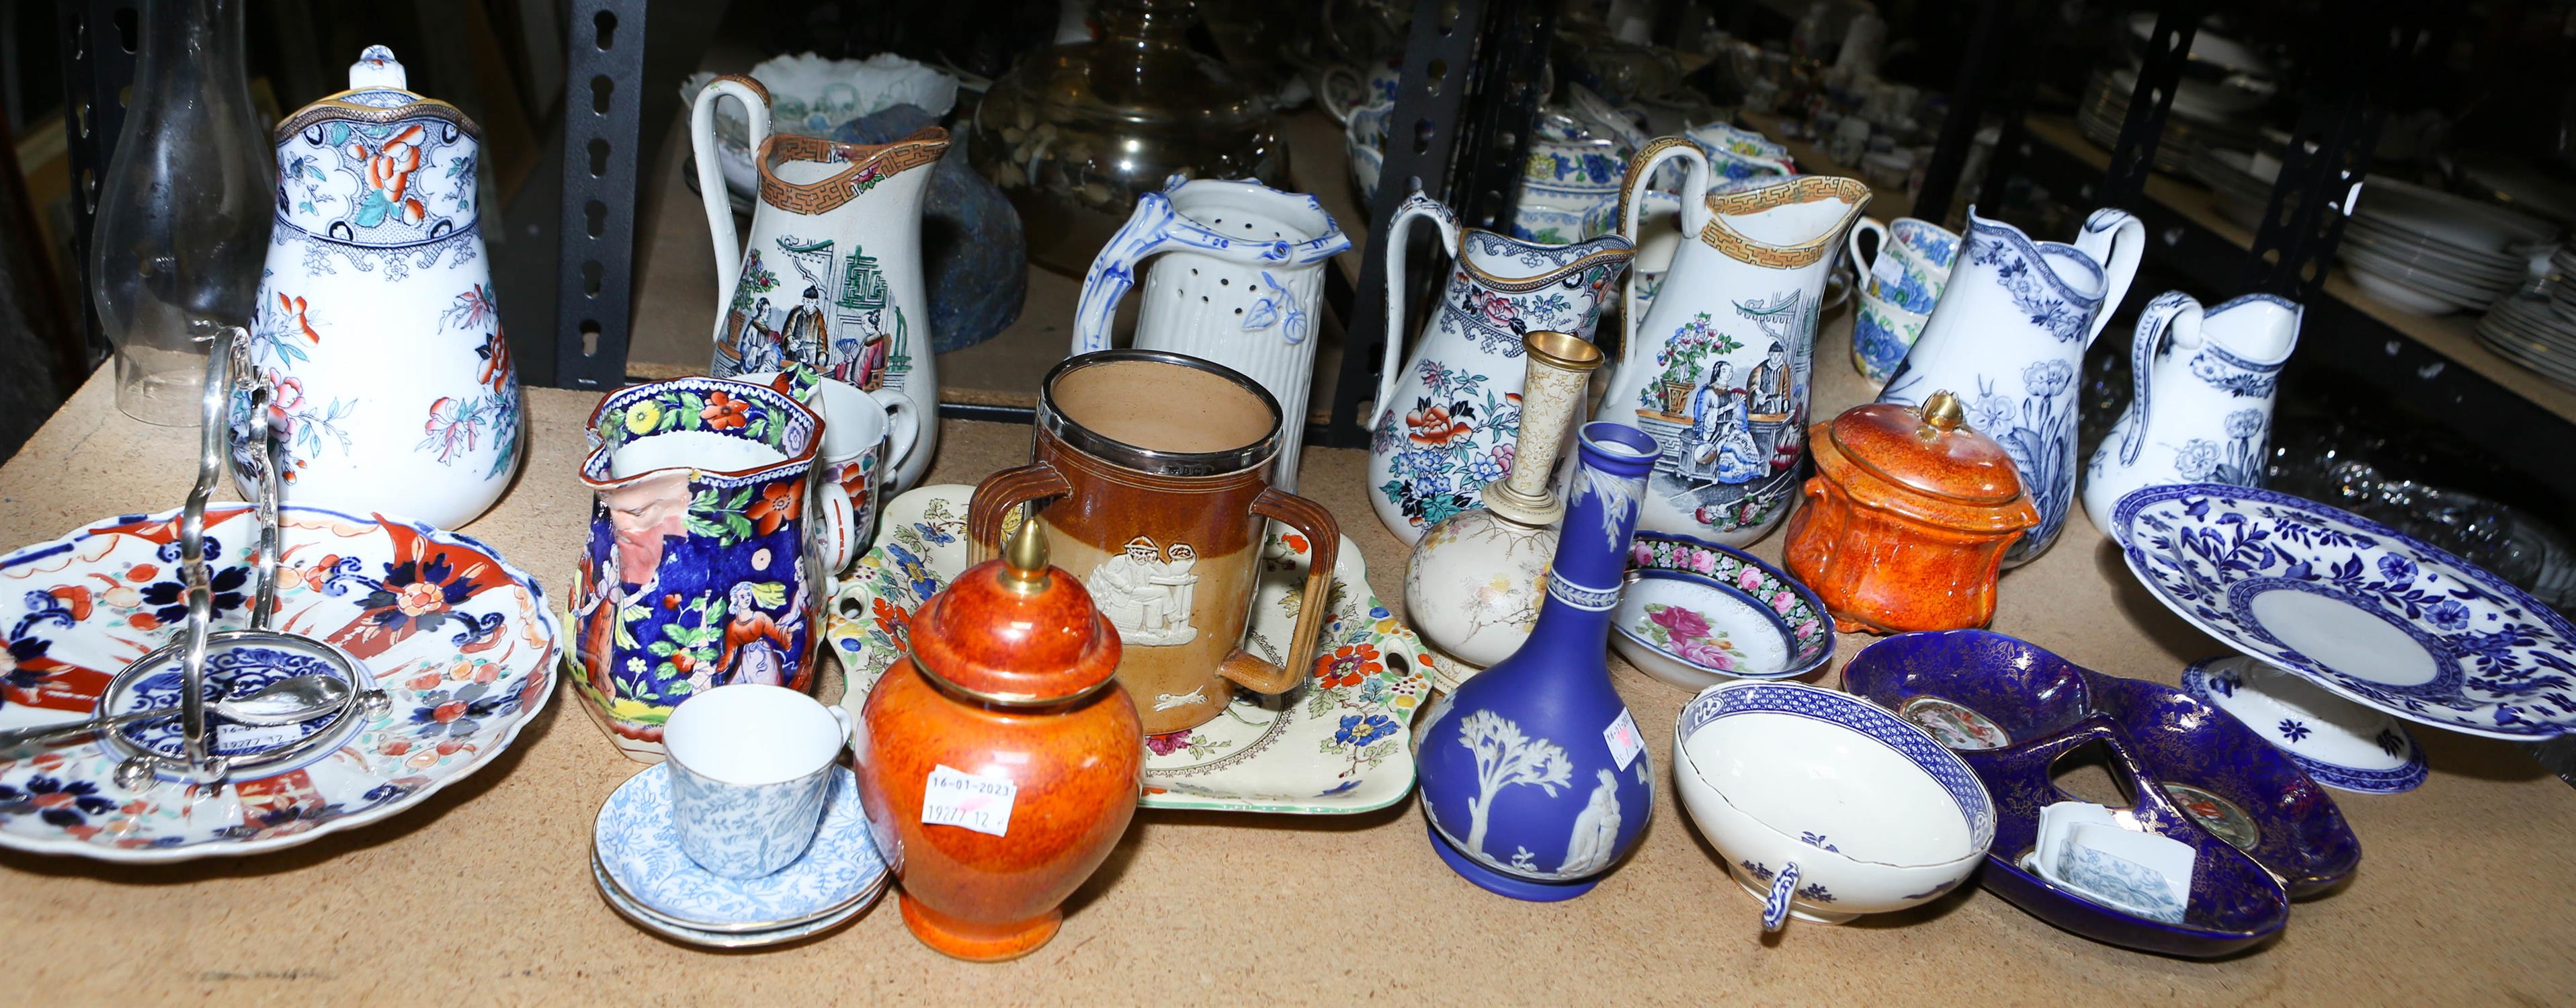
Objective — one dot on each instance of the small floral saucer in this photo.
(2354, 606)
(636, 841)
(1336, 744)
(636, 914)
(2340, 743)
(1696, 614)
(461, 642)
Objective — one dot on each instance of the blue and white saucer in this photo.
(627, 907)
(643, 871)
(2340, 743)
(2354, 606)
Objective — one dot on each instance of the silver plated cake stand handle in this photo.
(227, 369)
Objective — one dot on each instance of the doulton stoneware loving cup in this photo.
(1154, 470)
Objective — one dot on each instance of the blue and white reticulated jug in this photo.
(2205, 383)
(2008, 339)
(1534, 777)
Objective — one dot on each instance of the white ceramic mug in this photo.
(865, 436)
(751, 766)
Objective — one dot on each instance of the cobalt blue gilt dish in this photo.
(2355, 606)
(2234, 903)
(1980, 691)
(639, 848)
(2341, 744)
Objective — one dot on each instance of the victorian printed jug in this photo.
(2203, 407)
(1717, 370)
(832, 273)
(1241, 272)
(705, 564)
(376, 322)
(2008, 338)
(1447, 418)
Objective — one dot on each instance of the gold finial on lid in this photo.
(1024, 558)
(1942, 412)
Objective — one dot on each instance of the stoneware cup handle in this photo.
(1775, 905)
(1415, 207)
(2116, 240)
(2171, 308)
(903, 430)
(840, 526)
(1337, 102)
(1864, 265)
(997, 495)
(1324, 545)
(711, 184)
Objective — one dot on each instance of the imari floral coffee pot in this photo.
(376, 321)
(2008, 338)
(1717, 369)
(1241, 271)
(1535, 781)
(1447, 416)
(831, 275)
(2202, 412)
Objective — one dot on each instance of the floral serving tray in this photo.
(2354, 606)
(460, 641)
(1337, 744)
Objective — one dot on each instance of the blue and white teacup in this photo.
(1882, 333)
(750, 769)
(1912, 263)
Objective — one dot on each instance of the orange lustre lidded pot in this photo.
(1907, 518)
(999, 761)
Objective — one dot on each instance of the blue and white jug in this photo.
(2203, 410)
(2008, 339)
(1534, 778)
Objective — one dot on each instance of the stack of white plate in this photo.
(2538, 330)
(2428, 252)
(2202, 115)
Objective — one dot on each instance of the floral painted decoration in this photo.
(1793, 605)
(463, 645)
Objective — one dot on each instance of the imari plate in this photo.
(461, 642)
(1338, 743)
(2354, 606)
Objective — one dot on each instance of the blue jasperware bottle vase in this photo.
(1534, 777)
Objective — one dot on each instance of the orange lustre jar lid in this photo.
(1015, 631)
(1930, 451)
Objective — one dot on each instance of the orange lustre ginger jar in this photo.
(999, 761)
(1907, 518)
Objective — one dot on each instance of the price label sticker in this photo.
(246, 738)
(973, 801)
(1624, 741)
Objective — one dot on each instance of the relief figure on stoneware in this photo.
(1146, 591)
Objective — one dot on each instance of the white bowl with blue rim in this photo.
(2338, 743)
(2366, 611)
(649, 879)
(1695, 614)
(1825, 806)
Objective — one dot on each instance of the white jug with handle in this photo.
(1241, 274)
(832, 273)
(2008, 339)
(2205, 383)
(1717, 370)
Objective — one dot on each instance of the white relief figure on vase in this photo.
(1146, 593)
(1505, 757)
(1595, 841)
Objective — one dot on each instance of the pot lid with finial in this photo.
(1015, 631)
